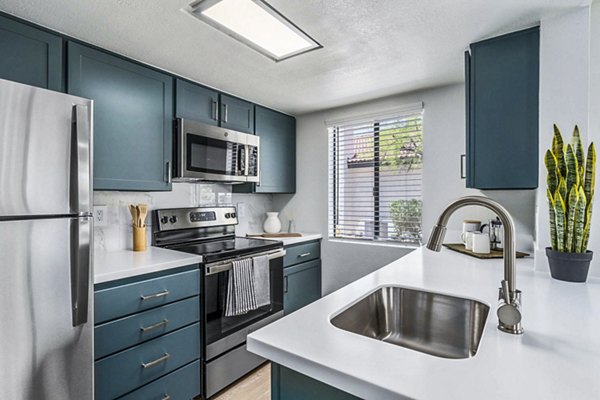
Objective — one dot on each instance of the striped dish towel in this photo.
(241, 295)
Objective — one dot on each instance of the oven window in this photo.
(215, 291)
(212, 156)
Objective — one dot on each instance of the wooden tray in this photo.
(275, 235)
(493, 254)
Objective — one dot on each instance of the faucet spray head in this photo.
(436, 239)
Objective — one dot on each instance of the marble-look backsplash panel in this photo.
(117, 234)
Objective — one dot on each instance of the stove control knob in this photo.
(233, 215)
(173, 219)
(164, 220)
(227, 215)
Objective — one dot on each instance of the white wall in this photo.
(444, 142)
(564, 98)
(594, 124)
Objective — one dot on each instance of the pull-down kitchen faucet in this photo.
(509, 306)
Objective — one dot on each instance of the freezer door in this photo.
(45, 152)
(43, 264)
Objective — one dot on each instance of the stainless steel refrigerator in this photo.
(46, 307)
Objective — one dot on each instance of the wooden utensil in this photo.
(143, 209)
(133, 212)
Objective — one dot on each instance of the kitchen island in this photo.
(557, 357)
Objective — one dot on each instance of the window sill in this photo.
(374, 243)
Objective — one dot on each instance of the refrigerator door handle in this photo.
(80, 161)
(80, 269)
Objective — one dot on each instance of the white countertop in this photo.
(558, 356)
(306, 237)
(113, 265)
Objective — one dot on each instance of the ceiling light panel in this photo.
(256, 24)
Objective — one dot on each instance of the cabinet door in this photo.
(196, 102)
(237, 114)
(133, 119)
(30, 56)
(277, 151)
(301, 285)
(287, 384)
(503, 112)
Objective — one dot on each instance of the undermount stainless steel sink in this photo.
(437, 324)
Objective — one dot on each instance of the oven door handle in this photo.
(218, 267)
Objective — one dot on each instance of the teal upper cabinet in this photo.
(277, 162)
(277, 151)
(31, 56)
(502, 111)
(196, 102)
(237, 114)
(133, 114)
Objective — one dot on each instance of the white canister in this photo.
(481, 243)
(272, 223)
(469, 226)
(469, 240)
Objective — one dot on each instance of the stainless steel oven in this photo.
(210, 232)
(225, 353)
(209, 153)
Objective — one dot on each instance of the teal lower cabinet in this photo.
(182, 384)
(301, 275)
(148, 346)
(287, 384)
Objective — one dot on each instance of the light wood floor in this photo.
(255, 386)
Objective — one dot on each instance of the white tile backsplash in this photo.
(117, 234)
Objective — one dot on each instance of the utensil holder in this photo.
(139, 238)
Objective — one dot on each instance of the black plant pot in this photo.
(570, 267)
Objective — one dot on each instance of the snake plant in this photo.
(570, 190)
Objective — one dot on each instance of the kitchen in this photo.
(212, 131)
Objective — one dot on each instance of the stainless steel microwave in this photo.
(208, 153)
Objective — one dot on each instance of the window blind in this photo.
(375, 177)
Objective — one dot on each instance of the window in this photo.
(375, 177)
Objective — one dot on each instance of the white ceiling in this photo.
(371, 48)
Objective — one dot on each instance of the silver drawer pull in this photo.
(156, 362)
(162, 323)
(155, 295)
(167, 397)
(303, 255)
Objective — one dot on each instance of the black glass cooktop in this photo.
(232, 247)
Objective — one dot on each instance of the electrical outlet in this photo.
(241, 210)
(100, 215)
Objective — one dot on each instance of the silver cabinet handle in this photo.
(225, 113)
(155, 295)
(169, 172)
(285, 284)
(156, 362)
(162, 323)
(214, 110)
(303, 255)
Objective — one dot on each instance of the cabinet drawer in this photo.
(130, 369)
(127, 299)
(129, 331)
(183, 384)
(302, 252)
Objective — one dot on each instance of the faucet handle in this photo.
(504, 291)
(509, 311)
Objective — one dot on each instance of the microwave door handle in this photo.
(246, 159)
(79, 196)
(240, 160)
